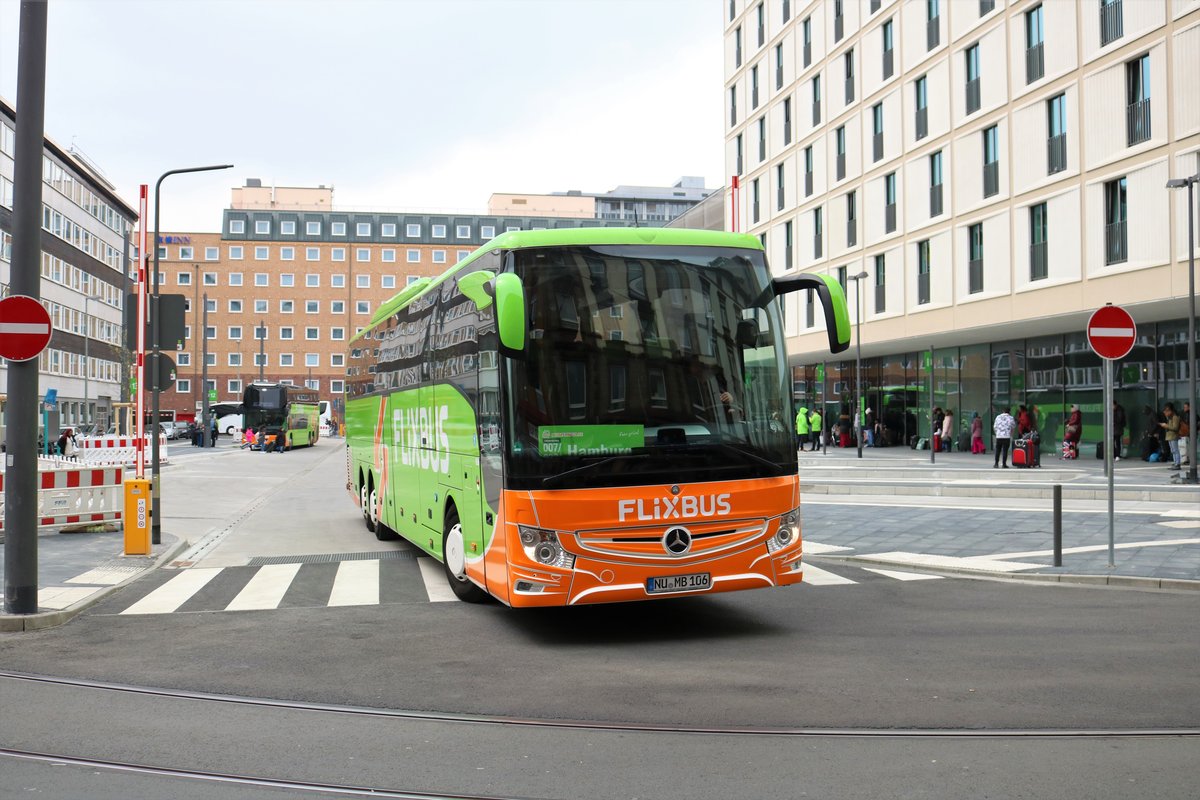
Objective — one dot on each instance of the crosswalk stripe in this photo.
(266, 588)
(356, 584)
(815, 576)
(904, 576)
(435, 581)
(175, 592)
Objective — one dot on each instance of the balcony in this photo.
(816, 113)
(1038, 264)
(1056, 154)
(808, 183)
(807, 54)
(851, 232)
(817, 246)
(838, 26)
(975, 276)
(935, 200)
(922, 288)
(880, 298)
(1035, 63)
(1137, 121)
(933, 33)
(889, 218)
(973, 95)
(1116, 244)
(922, 122)
(849, 90)
(1112, 22)
(877, 146)
(841, 166)
(888, 63)
(991, 178)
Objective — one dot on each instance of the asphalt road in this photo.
(966, 656)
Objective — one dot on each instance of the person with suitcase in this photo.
(1003, 429)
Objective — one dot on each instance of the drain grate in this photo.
(328, 558)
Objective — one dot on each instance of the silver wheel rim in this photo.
(456, 556)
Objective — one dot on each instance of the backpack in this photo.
(1184, 429)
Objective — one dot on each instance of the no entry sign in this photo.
(1111, 332)
(24, 328)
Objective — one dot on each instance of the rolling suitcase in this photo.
(1024, 453)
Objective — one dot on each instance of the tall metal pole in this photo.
(195, 344)
(1192, 476)
(87, 364)
(262, 357)
(1109, 454)
(205, 428)
(21, 481)
(156, 513)
(932, 432)
(858, 406)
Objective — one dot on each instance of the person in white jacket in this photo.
(948, 431)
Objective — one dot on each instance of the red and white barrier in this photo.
(75, 494)
(116, 449)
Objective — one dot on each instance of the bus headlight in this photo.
(787, 532)
(542, 546)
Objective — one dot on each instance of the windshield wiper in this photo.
(549, 482)
(744, 453)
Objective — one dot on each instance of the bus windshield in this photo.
(646, 364)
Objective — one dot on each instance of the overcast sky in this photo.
(398, 104)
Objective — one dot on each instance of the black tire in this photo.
(364, 498)
(462, 587)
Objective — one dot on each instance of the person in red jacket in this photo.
(1074, 431)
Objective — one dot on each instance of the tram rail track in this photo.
(604, 726)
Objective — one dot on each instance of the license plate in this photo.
(679, 583)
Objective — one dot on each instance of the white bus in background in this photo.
(325, 417)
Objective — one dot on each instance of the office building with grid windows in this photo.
(980, 176)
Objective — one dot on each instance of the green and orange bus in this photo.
(587, 415)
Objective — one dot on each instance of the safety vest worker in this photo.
(802, 422)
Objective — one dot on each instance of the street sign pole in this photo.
(1111, 333)
(143, 257)
(1109, 455)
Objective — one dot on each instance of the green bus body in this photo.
(283, 409)
(429, 396)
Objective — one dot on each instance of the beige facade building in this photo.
(994, 170)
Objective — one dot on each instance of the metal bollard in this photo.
(1058, 524)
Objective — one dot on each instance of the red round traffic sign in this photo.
(1111, 332)
(24, 328)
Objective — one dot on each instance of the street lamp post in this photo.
(1179, 183)
(87, 361)
(156, 512)
(858, 358)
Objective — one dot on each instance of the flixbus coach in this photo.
(587, 415)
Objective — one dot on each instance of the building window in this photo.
(732, 106)
(754, 87)
(787, 245)
(337, 228)
(818, 233)
(183, 386)
(439, 256)
(388, 255)
(287, 254)
(260, 306)
(210, 305)
(312, 228)
(991, 163)
(877, 130)
(737, 46)
(921, 89)
(888, 50)
(261, 279)
(1137, 112)
(762, 24)
(337, 254)
(285, 359)
(362, 254)
(262, 253)
(312, 306)
(237, 226)
(975, 265)
(312, 334)
(183, 279)
(779, 188)
(1056, 124)
(287, 306)
(808, 171)
(287, 279)
(235, 332)
(362, 229)
(923, 272)
(816, 100)
(1112, 21)
(412, 229)
(235, 385)
(851, 219)
(932, 24)
(235, 306)
(211, 254)
(889, 198)
(762, 138)
(1038, 264)
(839, 20)
(312, 254)
(337, 306)
(935, 184)
(880, 284)
(312, 280)
(337, 335)
(185, 358)
(462, 231)
(312, 359)
(787, 121)
(1116, 245)
(1035, 64)
(287, 227)
(185, 254)
(362, 281)
(362, 307)
(388, 230)
(848, 61)
(234, 278)
(738, 154)
(779, 66)
(236, 253)
(787, 10)
(438, 231)
(806, 28)
(973, 92)
(754, 200)
(286, 333)
(839, 139)
(262, 227)
(487, 232)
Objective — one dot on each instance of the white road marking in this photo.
(174, 593)
(103, 577)
(266, 589)
(816, 548)
(59, 597)
(1182, 524)
(1095, 548)
(904, 576)
(815, 576)
(356, 584)
(990, 563)
(435, 581)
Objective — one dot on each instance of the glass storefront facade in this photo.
(1047, 374)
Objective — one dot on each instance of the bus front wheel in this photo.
(454, 562)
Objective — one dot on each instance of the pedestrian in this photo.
(977, 445)
(1151, 433)
(213, 441)
(1170, 426)
(844, 427)
(1185, 432)
(938, 418)
(870, 429)
(1024, 421)
(802, 428)
(1118, 428)
(1073, 432)
(66, 443)
(948, 431)
(815, 430)
(1002, 429)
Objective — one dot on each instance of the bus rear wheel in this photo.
(366, 498)
(454, 562)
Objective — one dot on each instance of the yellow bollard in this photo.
(137, 517)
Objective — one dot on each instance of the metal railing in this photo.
(1038, 263)
(877, 146)
(922, 122)
(991, 178)
(1137, 121)
(922, 288)
(933, 33)
(881, 298)
(935, 200)
(1112, 22)
(973, 101)
(975, 275)
(1056, 153)
(1116, 245)
(889, 218)
(841, 166)
(1035, 63)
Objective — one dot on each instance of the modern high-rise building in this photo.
(85, 258)
(992, 172)
(650, 206)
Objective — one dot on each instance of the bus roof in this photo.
(566, 237)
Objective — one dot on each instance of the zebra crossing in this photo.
(356, 582)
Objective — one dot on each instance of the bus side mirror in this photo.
(509, 295)
(833, 302)
(477, 287)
